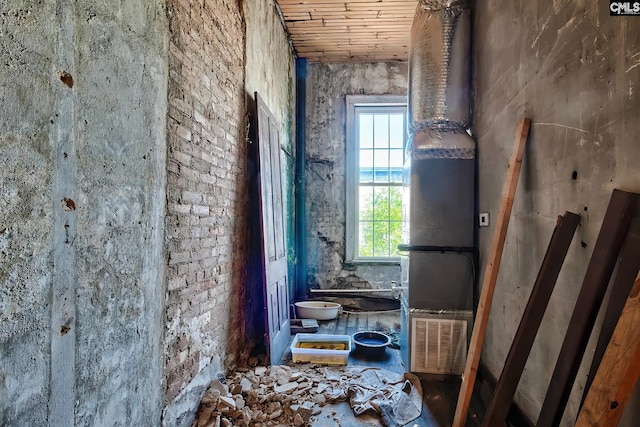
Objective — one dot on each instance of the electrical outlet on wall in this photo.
(484, 219)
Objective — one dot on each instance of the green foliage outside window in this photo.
(380, 222)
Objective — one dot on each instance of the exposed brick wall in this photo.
(206, 188)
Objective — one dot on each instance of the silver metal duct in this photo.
(440, 168)
(439, 66)
(437, 143)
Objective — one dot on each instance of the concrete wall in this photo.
(26, 211)
(82, 134)
(270, 68)
(85, 124)
(574, 70)
(327, 86)
(206, 189)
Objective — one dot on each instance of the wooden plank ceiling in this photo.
(334, 31)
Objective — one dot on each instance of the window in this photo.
(376, 135)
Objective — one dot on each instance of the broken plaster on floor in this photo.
(309, 395)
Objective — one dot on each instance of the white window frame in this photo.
(352, 172)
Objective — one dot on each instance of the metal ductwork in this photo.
(439, 67)
(439, 80)
(438, 269)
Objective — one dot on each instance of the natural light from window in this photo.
(380, 134)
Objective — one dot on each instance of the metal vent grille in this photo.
(438, 346)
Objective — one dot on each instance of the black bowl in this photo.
(371, 343)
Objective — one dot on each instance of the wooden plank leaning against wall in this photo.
(491, 273)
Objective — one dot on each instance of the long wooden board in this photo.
(628, 267)
(594, 286)
(531, 319)
(618, 373)
(491, 272)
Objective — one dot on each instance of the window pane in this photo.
(381, 159)
(381, 165)
(396, 130)
(395, 219)
(397, 158)
(366, 130)
(365, 204)
(395, 204)
(380, 239)
(396, 165)
(381, 130)
(366, 165)
(395, 233)
(365, 239)
(381, 203)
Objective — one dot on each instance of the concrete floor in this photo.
(439, 395)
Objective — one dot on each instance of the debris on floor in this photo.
(282, 395)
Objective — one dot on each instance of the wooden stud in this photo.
(603, 259)
(628, 267)
(491, 272)
(618, 373)
(531, 319)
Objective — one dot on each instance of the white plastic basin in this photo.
(319, 310)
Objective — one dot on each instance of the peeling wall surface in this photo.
(270, 66)
(327, 87)
(206, 189)
(574, 70)
(270, 71)
(82, 143)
